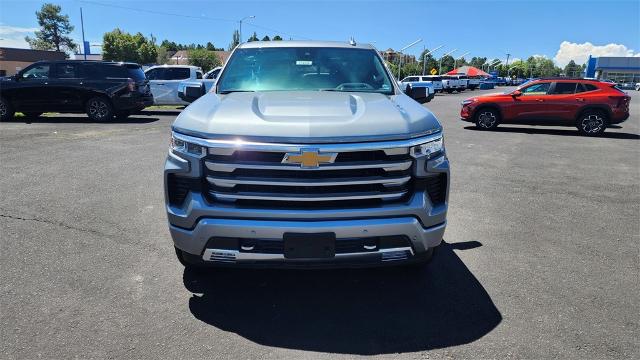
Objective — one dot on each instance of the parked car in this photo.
(288, 163)
(436, 80)
(590, 105)
(165, 79)
(213, 73)
(473, 82)
(450, 83)
(638, 86)
(463, 82)
(415, 83)
(191, 90)
(102, 90)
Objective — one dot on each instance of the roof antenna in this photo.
(352, 41)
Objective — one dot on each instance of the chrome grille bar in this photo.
(307, 197)
(230, 182)
(387, 166)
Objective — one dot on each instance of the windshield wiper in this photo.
(232, 91)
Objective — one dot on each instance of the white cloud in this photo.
(13, 36)
(580, 52)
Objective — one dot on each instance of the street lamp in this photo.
(240, 21)
(449, 53)
(400, 52)
(455, 61)
(424, 59)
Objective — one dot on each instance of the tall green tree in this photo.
(54, 28)
(210, 46)
(430, 62)
(235, 40)
(118, 45)
(478, 62)
(203, 58)
(277, 38)
(266, 38)
(447, 63)
(253, 37)
(572, 69)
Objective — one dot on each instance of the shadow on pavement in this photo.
(562, 132)
(133, 119)
(356, 311)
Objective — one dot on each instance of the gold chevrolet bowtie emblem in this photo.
(309, 158)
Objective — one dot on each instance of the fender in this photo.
(488, 105)
(601, 107)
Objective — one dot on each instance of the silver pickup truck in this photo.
(306, 154)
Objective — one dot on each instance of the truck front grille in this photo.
(260, 177)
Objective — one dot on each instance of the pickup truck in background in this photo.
(473, 83)
(450, 83)
(415, 82)
(436, 80)
(463, 82)
(191, 90)
(164, 81)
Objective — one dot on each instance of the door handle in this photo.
(160, 84)
(540, 100)
(580, 99)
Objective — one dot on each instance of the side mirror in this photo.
(191, 92)
(418, 94)
(516, 93)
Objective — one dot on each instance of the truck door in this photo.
(34, 93)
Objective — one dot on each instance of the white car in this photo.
(450, 83)
(164, 81)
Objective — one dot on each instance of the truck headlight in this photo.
(178, 145)
(429, 149)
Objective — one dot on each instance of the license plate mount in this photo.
(309, 245)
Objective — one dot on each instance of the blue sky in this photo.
(484, 28)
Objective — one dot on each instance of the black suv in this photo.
(99, 88)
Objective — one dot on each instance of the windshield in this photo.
(305, 68)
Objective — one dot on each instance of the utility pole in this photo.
(84, 51)
(240, 21)
(424, 59)
(449, 53)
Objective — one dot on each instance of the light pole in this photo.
(449, 53)
(84, 51)
(455, 61)
(240, 21)
(400, 52)
(424, 59)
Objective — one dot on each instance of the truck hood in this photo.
(306, 117)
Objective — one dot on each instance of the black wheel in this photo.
(6, 110)
(487, 119)
(99, 109)
(449, 91)
(592, 123)
(121, 115)
(188, 260)
(32, 114)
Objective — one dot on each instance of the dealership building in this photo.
(622, 70)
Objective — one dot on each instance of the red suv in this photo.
(590, 105)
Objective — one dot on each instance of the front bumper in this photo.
(195, 241)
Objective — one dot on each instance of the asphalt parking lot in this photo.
(540, 260)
